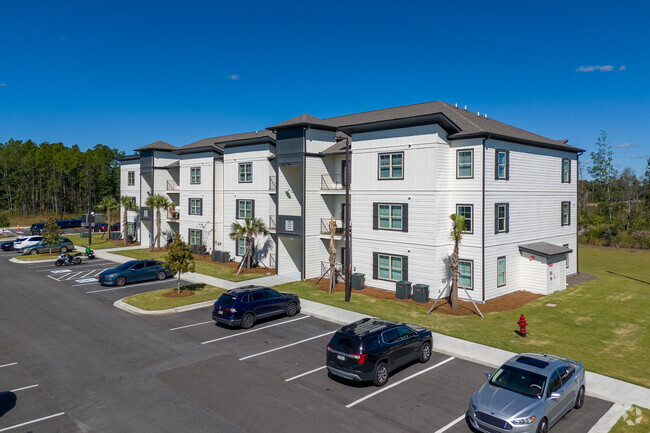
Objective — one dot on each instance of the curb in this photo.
(140, 312)
(26, 262)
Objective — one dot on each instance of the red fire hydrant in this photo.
(522, 326)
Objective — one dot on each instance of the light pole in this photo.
(90, 211)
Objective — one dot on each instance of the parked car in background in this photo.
(134, 270)
(37, 228)
(27, 242)
(528, 394)
(63, 246)
(9, 245)
(243, 306)
(369, 349)
(100, 227)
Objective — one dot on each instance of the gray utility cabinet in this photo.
(358, 281)
(403, 289)
(421, 293)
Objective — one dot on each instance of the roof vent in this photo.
(465, 107)
(456, 104)
(486, 115)
(478, 113)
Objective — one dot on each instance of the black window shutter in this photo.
(507, 217)
(405, 268)
(201, 205)
(236, 209)
(496, 218)
(252, 209)
(561, 214)
(375, 264)
(569, 181)
(569, 212)
(189, 206)
(405, 217)
(496, 164)
(375, 216)
(507, 165)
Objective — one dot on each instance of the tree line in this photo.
(50, 177)
(614, 207)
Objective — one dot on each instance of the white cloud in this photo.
(604, 68)
(622, 68)
(3, 84)
(638, 157)
(623, 146)
(233, 77)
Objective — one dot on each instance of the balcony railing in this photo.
(326, 227)
(325, 266)
(334, 182)
(172, 186)
(272, 185)
(173, 215)
(272, 225)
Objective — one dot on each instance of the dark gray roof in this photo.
(544, 249)
(304, 120)
(158, 145)
(232, 140)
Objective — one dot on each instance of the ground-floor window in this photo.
(130, 229)
(195, 237)
(501, 271)
(567, 255)
(241, 246)
(466, 274)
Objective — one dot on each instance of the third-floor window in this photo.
(131, 178)
(566, 171)
(245, 172)
(391, 165)
(195, 175)
(466, 210)
(502, 162)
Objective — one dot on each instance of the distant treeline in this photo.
(50, 177)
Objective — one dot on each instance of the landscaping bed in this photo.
(170, 298)
(33, 257)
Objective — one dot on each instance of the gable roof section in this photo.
(544, 249)
(304, 120)
(219, 143)
(157, 145)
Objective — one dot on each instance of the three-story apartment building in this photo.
(409, 169)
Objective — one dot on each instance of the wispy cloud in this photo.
(622, 146)
(638, 157)
(233, 77)
(617, 130)
(603, 68)
(622, 68)
(3, 84)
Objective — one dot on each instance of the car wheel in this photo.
(58, 263)
(292, 309)
(580, 398)
(120, 281)
(425, 352)
(381, 375)
(543, 426)
(32, 252)
(247, 321)
(63, 250)
(161, 275)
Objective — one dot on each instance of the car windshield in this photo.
(125, 266)
(519, 381)
(226, 300)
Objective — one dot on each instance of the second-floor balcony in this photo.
(335, 182)
(272, 224)
(173, 214)
(326, 227)
(272, 186)
(172, 186)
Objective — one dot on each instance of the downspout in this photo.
(304, 201)
(483, 220)
(577, 208)
(214, 199)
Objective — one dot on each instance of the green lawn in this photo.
(212, 269)
(156, 301)
(636, 420)
(98, 243)
(32, 257)
(602, 323)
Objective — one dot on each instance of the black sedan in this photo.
(9, 245)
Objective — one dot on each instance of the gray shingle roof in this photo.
(226, 140)
(157, 145)
(544, 249)
(303, 120)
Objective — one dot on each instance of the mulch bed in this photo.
(176, 294)
(234, 265)
(503, 303)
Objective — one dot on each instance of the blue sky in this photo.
(126, 74)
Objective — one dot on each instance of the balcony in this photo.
(326, 227)
(173, 214)
(172, 186)
(336, 182)
(272, 186)
(272, 225)
(325, 266)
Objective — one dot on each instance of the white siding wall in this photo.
(130, 191)
(203, 190)
(319, 140)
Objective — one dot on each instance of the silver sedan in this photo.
(528, 394)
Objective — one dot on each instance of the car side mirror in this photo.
(555, 396)
(132, 270)
(488, 375)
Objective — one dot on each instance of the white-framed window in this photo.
(130, 178)
(196, 206)
(501, 218)
(389, 267)
(566, 213)
(466, 210)
(241, 246)
(390, 216)
(244, 209)
(195, 237)
(195, 175)
(464, 164)
(501, 271)
(245, 172)
(566, 170)
(466, 273)
(502, 163)
(567, 256)
(391, 165)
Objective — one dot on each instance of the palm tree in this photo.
(128, 205)
(158, 201)
(456, 235)
(252, 227)
(108, 205)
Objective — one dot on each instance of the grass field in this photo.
(212, 269)
(33, 257)
(636, 420)
(100, 241)
(156, 301)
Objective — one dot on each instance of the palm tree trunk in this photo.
(250, 252)
(453, 294)
(124, 225)
(178, 287)
(158, 228)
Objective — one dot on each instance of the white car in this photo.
(27, 242)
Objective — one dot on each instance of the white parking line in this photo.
(288, 345)
(451, 424)
(9, 365)
(83, 284)
(305, 374)
(87, 273)
(385, 388)
(71, 276)
(193, 324)
(32, 421)
(124, 287)
(24, 388)
(254, 330)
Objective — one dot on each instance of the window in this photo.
(466, 274)
(566, 372)
(501, 271)
(391, 165)
(241, 247)
(567, 256)
(554, 383)
(388, 216)
(389, 267)
(566, 171)
(195, 237)
(130, 229)
(501, 218)
(466, 210)
(195, 175)
(566, 213)
(246, 172)
(131, 178)
(245, 209)
(464, 164)
(502, 165)
(257, 296)
(196, 206)
(272, 294)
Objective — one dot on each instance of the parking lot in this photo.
(268, 378)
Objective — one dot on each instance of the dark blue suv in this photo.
(244, 305)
